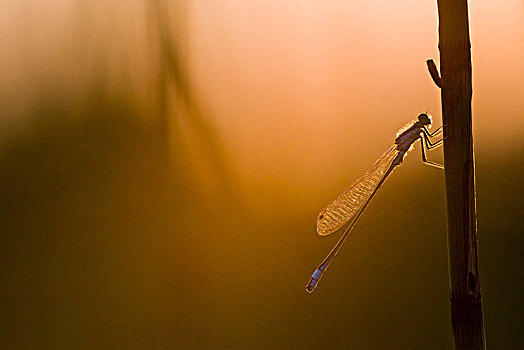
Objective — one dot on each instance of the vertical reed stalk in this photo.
(456, 92)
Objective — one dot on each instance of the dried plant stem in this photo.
(456, 92)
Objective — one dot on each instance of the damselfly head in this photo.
(424, 119)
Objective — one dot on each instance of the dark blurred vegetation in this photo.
(123, 226)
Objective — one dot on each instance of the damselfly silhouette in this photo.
(351, 203)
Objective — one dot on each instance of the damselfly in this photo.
(351, 203)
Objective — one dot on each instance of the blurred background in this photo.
(163, 164)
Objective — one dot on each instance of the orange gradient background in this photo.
(163, 163)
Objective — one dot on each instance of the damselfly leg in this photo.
(425, 143)
(434, 133)
(431, 145)
(423, 146)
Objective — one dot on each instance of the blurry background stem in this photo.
(177, 97)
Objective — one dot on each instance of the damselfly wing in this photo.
(343, 209)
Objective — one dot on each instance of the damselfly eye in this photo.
(321, 216)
